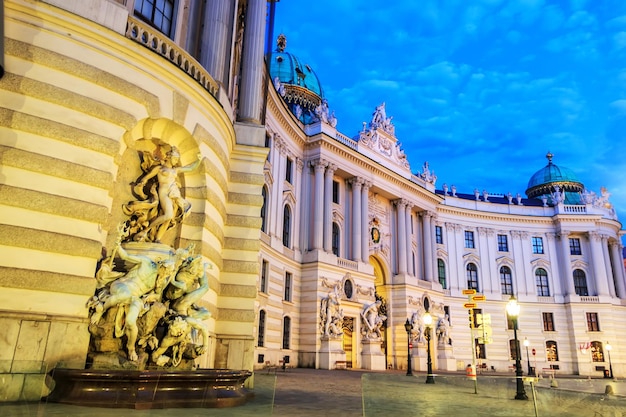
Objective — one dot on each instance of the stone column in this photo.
(297, 215)
(607, 266)
(597, 258)
(618, 269)
(279, 180)
(318, 206)
(554, 255)
(365, 246)
(328, 208)
(253, 65)
(407, 238)
(429, 249)
(216, 38)
(305, 207)
(566, 265)
(357, 184)
(401, 235)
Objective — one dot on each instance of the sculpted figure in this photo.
(331, 314)
(417, 334)
(373, 321)
(152, 216)
(443, 330)
(130, 292)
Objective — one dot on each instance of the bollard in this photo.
(609, 390)
(553, 383)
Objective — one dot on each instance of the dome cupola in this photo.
(552, 180)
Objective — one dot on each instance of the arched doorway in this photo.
(380, 286)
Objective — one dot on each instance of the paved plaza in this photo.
(351, 393)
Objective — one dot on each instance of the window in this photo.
(286, 332)
(548, 322)
(288, 283)
(537, 245)
(265, 266)
(597, 353)
(580, 283)
(335, 239)
(552, 353)
(477, 314)
(287, 226)
(541, 279)
(157, 13)
(469, 239)
(261, 333)
(503, 243)
(472, 277)
(592, 322)
(574, 246)
(439, 235)
(441, 271)
(506, 281)
(264, 210)
(289, 170)
(510, 323)
(335, 192)
(514, 349)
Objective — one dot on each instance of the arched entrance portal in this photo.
(380, 286)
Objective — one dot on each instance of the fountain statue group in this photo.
(148, 293)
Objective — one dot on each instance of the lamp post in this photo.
(428, 322)
(408, 326)
(526, 343)
(512, 309)
(608, 351)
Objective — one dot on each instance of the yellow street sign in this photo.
(478, 298)
(469, 292)
(469, 305)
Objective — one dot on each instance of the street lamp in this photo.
(408, 326)
(512, 309)
(526, 343)
(428, 322)
(608, 351)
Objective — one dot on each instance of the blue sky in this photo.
(481, 89)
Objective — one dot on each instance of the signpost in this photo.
(472, 298)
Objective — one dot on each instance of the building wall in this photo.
(77, 103)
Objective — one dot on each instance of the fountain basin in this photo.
(149, 389)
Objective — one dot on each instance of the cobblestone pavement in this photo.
(352, 393)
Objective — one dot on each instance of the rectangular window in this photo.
(481, 353)
(503, 244)
(265, 266)
(469, 239)
(289, 170)
(537, 245)
(592, 322)
(439, 235)
(514, 349)
(510, 323)
(288, 284)
(261, 330)
(574, 246)
(159, 14)
(286, 332)
(548, 322)
(335, 192)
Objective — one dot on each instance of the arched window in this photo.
(261, 331)
(472, 277)
(264, 210)
(506, 281)
(580, 282)
(552, 353)
(336, 238)
(441, 272)
(287, 227)
(597, 353)
(286, 332)
(541, 280)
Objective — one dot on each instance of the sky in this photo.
(481, 89)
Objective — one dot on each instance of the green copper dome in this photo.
(291, 71)
(552, 178)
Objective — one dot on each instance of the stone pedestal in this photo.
(331, 352)
(445, 358)
(372, 356)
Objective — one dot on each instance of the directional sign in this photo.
(469, 305)
(469, 292)
(478, 298)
